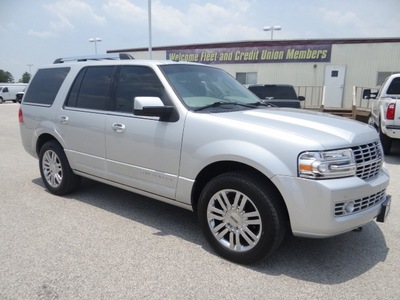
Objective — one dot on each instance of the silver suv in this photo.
(192, 136)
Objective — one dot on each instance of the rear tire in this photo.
(55, 170)
(242, 217)
(385, 141)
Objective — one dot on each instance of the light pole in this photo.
(272, 28)
(150, 38)
(95, 41)
(30, 66)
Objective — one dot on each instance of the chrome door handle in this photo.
(63, 119)
(117, 127)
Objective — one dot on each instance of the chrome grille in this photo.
(369, 159)
(354, 206)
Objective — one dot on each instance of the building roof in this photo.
(265, 43)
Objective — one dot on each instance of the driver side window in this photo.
(136, 81)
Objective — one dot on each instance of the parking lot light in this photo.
(95, 41)
(272, 29)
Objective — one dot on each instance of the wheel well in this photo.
(44, 138)
(219, 168)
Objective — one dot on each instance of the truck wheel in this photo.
(1, 100)
(385, 141)
(55, 170)
(242, 219)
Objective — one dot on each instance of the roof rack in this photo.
(111, 56)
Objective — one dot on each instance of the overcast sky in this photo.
(38, 31)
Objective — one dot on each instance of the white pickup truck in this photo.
(384, 115)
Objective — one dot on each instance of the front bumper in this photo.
(324, 208)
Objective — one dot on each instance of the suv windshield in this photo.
(202, 86)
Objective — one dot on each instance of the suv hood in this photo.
(328, 130)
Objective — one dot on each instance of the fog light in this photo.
(349, 208)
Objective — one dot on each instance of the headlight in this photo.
(327, 164)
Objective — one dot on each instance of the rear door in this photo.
(82, 121)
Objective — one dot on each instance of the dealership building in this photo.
(334, 70)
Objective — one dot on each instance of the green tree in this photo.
(25, 77)
(6, 76)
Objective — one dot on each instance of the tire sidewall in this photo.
(261, 198)
(64, 187)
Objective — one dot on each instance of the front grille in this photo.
(369, 159)
(350, 207)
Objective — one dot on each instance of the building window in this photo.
(247, 78)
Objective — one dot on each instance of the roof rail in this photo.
(110, 56)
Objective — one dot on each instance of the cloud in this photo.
(359, 19)
(67, 13)
(74, 9)
(164, 18)
(42, 34)
(188, 22)
(125, 10)
(340, 18)
(226, 21)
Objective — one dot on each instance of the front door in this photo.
(142, 152)
(334, 85)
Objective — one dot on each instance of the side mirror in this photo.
(366, 94)
(369, 94)
(301, 98)
(152, 107)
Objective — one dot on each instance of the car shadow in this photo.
(326, 261)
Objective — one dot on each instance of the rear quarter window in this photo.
(44, 86)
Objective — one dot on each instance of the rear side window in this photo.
(44, 86)
(92, 88)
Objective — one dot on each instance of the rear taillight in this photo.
(391, 109)
(20, 116)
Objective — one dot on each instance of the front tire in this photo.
(242, 217)
(55, 170)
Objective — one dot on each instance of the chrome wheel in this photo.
(234, 220)
(55, 170)
(242, 216)
(52, 168)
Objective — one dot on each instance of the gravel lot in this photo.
(106, 243)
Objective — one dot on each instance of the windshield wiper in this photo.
(222, 103)
(264, 103)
